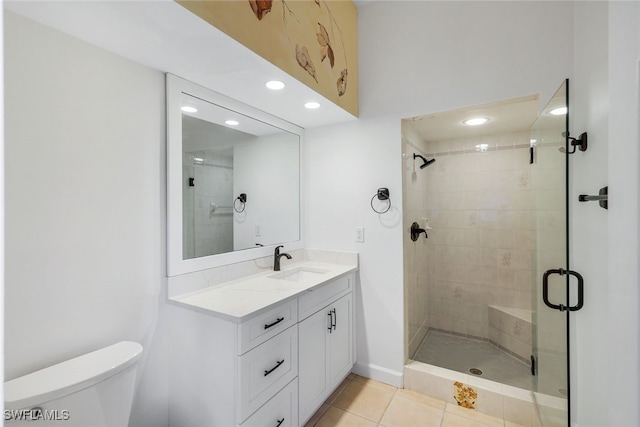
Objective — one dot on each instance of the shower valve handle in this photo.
(416, 231)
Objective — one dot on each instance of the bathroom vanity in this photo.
(249, 346)
(265, 350)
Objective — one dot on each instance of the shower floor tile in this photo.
(462, 354)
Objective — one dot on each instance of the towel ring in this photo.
(242, 198)
(382, 194)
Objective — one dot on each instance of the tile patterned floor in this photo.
(461, 354)
(361, 402)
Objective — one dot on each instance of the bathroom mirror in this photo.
(233, 180)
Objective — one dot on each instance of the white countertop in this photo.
(242, 298)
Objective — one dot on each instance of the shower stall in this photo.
(493, 208)
(207, 189)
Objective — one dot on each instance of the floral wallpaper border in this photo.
(314, 41)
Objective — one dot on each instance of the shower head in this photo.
(426, 162)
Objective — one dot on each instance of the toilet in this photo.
(95, 389)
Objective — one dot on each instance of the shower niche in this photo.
(495, 199)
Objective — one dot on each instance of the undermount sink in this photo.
(299, 274)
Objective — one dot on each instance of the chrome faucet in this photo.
(276, 258)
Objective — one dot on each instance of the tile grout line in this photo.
(330, 404)
(388, 404)
(395, 394)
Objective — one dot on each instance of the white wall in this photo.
(589, 112)
(85, 192)
(605, 388)
(344, 166)
(622, 323)
(267, 170)
(417, 58)
(418, 255)
(2, 203)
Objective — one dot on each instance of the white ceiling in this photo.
(504, 116)
(163, 35)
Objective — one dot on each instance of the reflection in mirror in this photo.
(221, 162)
(239, 179)
(207, 190)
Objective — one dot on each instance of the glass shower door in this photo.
(549, 183)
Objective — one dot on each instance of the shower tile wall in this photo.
(212, 230)
(480, 207)
(417, 254)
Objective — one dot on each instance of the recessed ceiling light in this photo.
(188, 109)
(275, 84)
(312, 105)
(476, 121)
(482, 147)
(232, 122)
(561, 111)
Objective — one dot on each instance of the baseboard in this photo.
(378, 373)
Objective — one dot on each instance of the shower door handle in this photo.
(545, 290)
(580, 303)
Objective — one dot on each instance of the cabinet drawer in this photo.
(266, 325)
(317, 298)
(266, 369)
(280, 411)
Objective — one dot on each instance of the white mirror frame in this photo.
(175, 87)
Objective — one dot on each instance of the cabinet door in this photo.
(341, 340)
(313, 365)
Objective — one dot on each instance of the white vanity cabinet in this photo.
(272, 367)
(224, 373)
(326, 344)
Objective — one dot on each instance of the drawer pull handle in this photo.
(334, 319)
(280, 362)
(330, 314)
(280, 422)
(280, 319)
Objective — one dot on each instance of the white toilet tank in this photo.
(95, 389)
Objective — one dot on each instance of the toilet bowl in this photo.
(95, 389)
